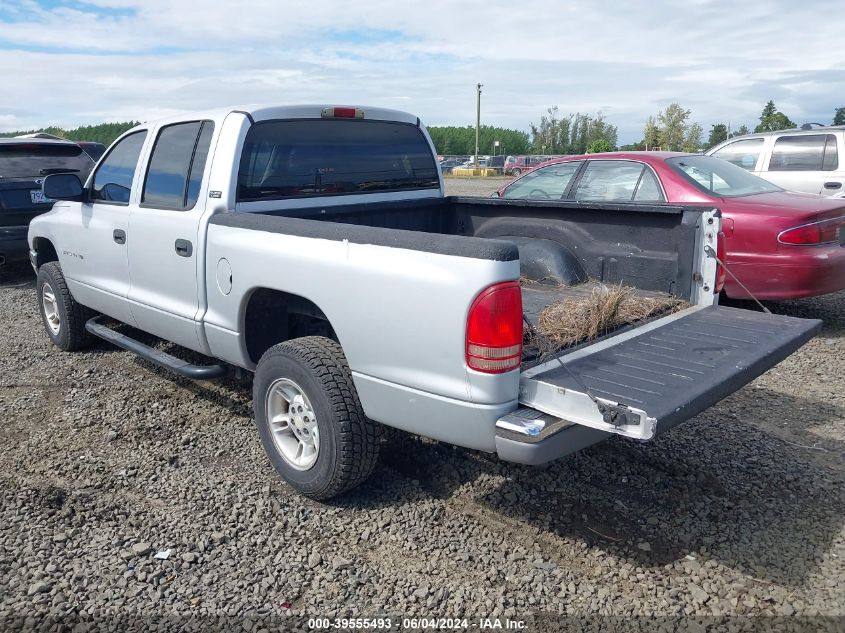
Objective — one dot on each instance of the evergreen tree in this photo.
(718, 133)
(772, 119)
(742, 130)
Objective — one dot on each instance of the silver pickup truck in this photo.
(314, 247)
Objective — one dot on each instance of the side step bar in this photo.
(162, 359)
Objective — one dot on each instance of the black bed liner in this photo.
(676, 370)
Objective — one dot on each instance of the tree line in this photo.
(670, 129)
(454, 140)
(554, 133)
(104, 133)
(572, 134)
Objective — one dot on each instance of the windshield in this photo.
(306, 157)
(719, 177)
(34, 160)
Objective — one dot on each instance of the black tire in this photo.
(69, 334)
(348, 440)
(516, 173)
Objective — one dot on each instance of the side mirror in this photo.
(63, 187)
(495, 194)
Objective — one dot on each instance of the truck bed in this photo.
(650, 247)
(559, 250)
(566, 250)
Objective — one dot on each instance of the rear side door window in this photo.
(113, 179)
(649, 189)
(174, 174)
(805, 152)
(743, 153)
(617, 180)
(546, 183)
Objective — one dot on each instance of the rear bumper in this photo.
(806, 272)
(519, 441)
(457, 422)
(13, 243)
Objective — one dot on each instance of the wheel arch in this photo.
(45, 251)
(272, 316)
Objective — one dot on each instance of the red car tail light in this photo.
(721, 273)
(821, 232)
(494, 329)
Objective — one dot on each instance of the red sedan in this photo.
(781, 244)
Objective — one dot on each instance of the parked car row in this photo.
(779, 244)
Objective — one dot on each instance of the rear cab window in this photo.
(174, 173)
(303, 158)
(35, 160)
(805, 152)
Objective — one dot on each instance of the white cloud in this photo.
(118, 59)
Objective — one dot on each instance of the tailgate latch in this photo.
(618, 414)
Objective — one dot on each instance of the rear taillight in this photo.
(721, 273)
(494, 329)
(822, 232)
(342, 113)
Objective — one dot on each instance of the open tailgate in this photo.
(651, 378)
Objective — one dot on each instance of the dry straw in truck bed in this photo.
(575, 320)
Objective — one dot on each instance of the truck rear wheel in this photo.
(310, 420)
(64, 319)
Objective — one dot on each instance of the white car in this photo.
(811, 160)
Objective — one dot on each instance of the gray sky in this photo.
(69, 63)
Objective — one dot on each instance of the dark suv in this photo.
(23, 165)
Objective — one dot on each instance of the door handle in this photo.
(119, 236)
(184, 248)
(832, 185)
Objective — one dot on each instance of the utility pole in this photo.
(477, 120)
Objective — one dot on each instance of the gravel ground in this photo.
(474, 186)
(106, 461)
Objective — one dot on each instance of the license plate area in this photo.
(37, 197)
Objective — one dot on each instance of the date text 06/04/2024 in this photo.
(386, 623)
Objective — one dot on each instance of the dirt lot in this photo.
(106, 461)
